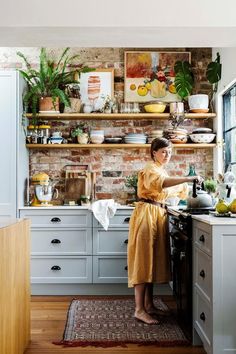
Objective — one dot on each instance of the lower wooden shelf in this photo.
(112, 146)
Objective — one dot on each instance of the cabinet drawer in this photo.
(110, 269)
(202, 239)
(203, 272)
(202, 318)
(61, 269)
(58, 218)
(110, 242)
(120, 219)
(59, 241)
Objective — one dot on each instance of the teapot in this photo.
(200, 198)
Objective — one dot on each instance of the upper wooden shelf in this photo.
(112, 146)
(112, 116)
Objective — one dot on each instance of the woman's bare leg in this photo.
(149, 304)
(140, 311)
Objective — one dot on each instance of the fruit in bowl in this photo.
(202, 138)
(155, 107)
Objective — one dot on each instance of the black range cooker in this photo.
(180, 231)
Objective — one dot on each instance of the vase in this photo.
(75, 105)
(46, 104)
(83, 138)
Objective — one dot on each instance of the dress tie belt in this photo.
(153, 202)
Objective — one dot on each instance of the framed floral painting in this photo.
(150, 76)
(96, 85)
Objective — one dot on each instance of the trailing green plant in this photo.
(79, 130)
(50, 80)
(213, 75)
(184, 79)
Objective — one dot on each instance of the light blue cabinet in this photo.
(13, 153)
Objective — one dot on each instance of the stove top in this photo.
(196, 211)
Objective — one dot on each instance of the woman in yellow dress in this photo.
(148, 246)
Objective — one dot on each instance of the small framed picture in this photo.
(150, 76)
(96, 85)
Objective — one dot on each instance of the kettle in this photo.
(200, 198)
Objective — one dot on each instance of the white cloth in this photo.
(103, 210)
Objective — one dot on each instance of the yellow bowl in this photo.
(155, 107)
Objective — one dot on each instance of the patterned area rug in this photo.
(108, 323)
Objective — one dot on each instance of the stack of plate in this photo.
(154, 134)
(176, 136)
(133, 138)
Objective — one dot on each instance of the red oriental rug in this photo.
(109, 323)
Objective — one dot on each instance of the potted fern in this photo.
(46, 86)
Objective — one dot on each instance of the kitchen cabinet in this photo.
(61, 247)
(70, 248)
(115, 116)
(13, 153)
(214, 288)
(110, 249)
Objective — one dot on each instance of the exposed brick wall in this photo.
(113, 165)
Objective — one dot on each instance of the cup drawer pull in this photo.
(202, 316)
(56, 267)
(202, 238)
(55, 240)
(126, 241)
(56, 220)
(126, 220)
(202, 274)
(126, 267)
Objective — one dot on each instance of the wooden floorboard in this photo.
(48, 316)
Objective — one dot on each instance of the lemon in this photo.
(142, 90)
(132, 87)
(221, 207)
(148, 85)
(232, 206)
(172, 88)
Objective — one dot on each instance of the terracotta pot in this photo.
(46, 104)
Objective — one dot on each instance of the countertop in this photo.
(5, 222)
(68, 207)
(208, 219)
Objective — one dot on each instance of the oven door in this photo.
(181, 258)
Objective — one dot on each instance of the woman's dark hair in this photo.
(159, 143)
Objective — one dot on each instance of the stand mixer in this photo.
(43, 190)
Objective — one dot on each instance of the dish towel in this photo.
(103, 210)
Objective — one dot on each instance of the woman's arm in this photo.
(174, 181)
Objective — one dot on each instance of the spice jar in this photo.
(32, 134)
(43, 133)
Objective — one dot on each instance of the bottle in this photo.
(191, 171)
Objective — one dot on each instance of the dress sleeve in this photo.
(153, 179)
(180, 191)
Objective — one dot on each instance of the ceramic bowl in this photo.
(96, 139)
(202, 138)
(158, 107)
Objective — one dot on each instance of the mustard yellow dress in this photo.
(148, 246)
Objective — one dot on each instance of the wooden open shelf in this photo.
(119, 116)
(112, 146)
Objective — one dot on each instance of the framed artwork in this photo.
(150, 76)
(96, 85)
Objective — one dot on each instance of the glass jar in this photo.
(32, 134)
